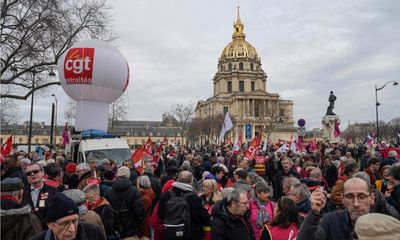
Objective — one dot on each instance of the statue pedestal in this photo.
(328, 123)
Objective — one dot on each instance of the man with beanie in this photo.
(17, 221)
(127, 204)
(63, 222)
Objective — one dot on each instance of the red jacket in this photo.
(277, 233)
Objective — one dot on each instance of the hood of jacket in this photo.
(183, 186)
(121, 184)
(16, 211)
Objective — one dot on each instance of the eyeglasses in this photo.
(243, 203)
(360, 198)
(29, 173)
(68, 223)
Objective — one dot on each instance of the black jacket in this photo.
(107, 216)
(226, 227)
(86, 231)
(198, 213)
(46, 194)
(279, 181)
(330, 175)
(17, 222)
(16, 172)
(331, 226)
(123, 195)
(394, 198)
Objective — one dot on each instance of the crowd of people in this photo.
(211, 192)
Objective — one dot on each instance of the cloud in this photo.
(307, 49)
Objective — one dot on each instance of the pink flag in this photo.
(65, 135)
(336, 130)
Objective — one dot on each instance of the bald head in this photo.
(356, 183)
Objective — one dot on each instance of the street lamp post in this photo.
(55, 122)
(31, 115)
(377, 105)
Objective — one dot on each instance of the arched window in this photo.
(241, 86)
(230, 66)
(240, 66)
(251, 66)
(229, 87)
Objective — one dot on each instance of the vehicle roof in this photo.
(103, 143)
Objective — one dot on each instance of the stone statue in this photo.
(331, 99)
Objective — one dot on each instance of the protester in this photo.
(357, 200)
(336, 195)
(37, 194)
(300, 194)
(372, 169)
(261, 208)
(382, 183)
(329, 172)
(394, 196)
(85, 215)
(54, 176)
(287, 171)
(143, 184)
(70, 179)
(107, 182)
(240, 176)
(102, 207)
(199, 216)
(231, 218)
(209, 195)
(391, 159)
(12, 169)
(85, 175)
(286, 223)
(63, 222)
(127, 204)
(17, 221)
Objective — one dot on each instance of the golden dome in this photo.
(238, 48)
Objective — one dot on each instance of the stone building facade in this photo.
(240, 88)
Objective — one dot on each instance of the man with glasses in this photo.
(64, 224)
(37, 194)
(357, 199)
(231, 218)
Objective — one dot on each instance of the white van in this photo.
(99, 148)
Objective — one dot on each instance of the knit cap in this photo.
(61, 206)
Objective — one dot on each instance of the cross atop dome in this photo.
(238, 27)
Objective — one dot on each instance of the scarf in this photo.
(262, 215)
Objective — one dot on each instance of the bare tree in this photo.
(206, 129)
(35, 33)
(183, 113)
(117, 112)
(8, 112)
(269, 117)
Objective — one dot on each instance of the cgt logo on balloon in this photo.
(78, 66)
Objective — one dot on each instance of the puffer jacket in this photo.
(18, 222)
(127, 205)
(224, 226)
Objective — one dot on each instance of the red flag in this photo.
(138, 159)
(157, 154)
(65, 135)
(238, 145)
(7, 147)
(251, 152)
(299, 145)
(148, 147)
(336, 130)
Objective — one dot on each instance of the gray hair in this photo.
(291, 181)
(144, 182)
(105, 161)
(233, 196)
(185, 166)
(261, 186)
(60, 159)
(364, 176)
(25, 161)
(301, 190)
(92, 188)
(84, 167)
(226, 192)
(185, 177)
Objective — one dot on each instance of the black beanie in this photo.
(60, 206)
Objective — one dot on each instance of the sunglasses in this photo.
(36, 171)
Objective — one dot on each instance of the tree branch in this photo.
(30, 92)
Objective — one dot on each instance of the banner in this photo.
(251, 152)
(148, 147)
(336, 130)
(226, 126)
(65, 136)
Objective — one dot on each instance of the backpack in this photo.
(123, 218)
(177, 219)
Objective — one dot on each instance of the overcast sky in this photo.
(307, 48)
